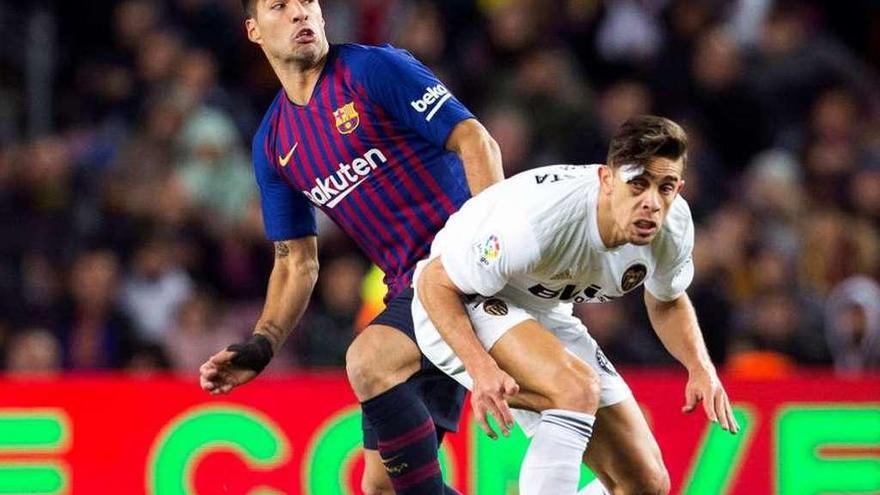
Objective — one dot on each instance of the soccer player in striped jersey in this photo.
(371, 137)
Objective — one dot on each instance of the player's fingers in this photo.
(731, 418)
(207, 370)
(709, 407)
(720, 410)
(480, 414)
(502, 415)
(690, 399)
(728, 413)
(495, 412)
(222, 358)
(735, 422)
(227, 377)
(210, 372)
(506, 416)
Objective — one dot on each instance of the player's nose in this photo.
(651, 200)
(298, 12)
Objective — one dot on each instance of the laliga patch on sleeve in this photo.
(488, 251)
(684, 275)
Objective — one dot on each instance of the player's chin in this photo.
(642, 238)
(305, 52)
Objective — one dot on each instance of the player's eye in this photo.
(277, 6)
(667, 188)
(638, 184)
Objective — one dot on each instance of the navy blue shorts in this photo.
(443, 396)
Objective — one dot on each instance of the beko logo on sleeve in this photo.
(434, 98)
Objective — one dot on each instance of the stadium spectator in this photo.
(215, 170)
(729, 113)
(327, 327)
(93, 330)
(33, 351)
(618, 335)
(197, 331)
(852, 322)
(154, 289)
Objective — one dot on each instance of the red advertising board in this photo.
(300, 434)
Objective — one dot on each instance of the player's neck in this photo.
(610, 234)
(299, 82)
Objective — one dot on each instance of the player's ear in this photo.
(680, 186)
(253, 30)
(606, 178)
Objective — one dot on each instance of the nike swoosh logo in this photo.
(387, 461)
(283, 160)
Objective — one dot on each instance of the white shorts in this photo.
(492, 317)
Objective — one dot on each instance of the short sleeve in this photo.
(482, 263)
(412, 94)
(675, 267)
(287, 214)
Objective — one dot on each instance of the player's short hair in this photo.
(644, 137)
(249, 7)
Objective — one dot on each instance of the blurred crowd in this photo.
(130, 229)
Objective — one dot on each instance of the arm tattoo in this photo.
(281, 249)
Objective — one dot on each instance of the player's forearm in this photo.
(479, 153)
(287, 296)
(675, 322)
(442, 302)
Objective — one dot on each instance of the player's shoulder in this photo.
(678, 228)
(261, 142)
(556, 174)
(679, 219)
(269, 119)
(366, 56)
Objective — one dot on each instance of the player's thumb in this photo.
(690, 402)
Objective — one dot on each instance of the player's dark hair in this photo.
(249, 7)
(644, 137)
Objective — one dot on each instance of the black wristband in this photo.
(255, 353)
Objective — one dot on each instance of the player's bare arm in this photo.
(676, 324)
(479, 153)
(443, 302)
(290, 286)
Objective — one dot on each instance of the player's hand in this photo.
(219, 376)
(704, 385)
(235, 365)
(492, 386)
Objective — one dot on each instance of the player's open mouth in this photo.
(645, 227)
(304, 35)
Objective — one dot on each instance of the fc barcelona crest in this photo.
(347, 118)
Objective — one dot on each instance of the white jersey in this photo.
(534, 239)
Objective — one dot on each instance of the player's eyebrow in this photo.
(650, 176)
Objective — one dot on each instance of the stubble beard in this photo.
(306, 58)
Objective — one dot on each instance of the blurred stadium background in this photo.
(131, 245)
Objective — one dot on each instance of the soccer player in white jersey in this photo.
(493, 308)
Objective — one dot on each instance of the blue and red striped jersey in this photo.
(368, 150)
